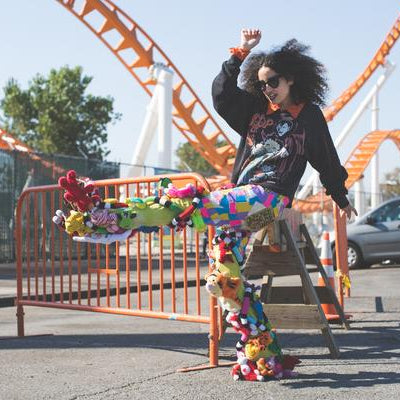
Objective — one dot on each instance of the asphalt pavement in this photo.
(83, 355)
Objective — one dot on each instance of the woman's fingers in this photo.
(251, 32)
(349, 210)
(250, 38)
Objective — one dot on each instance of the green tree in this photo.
(190, 159)
(391, 186)
(55, 115)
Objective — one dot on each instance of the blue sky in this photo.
(40, 35)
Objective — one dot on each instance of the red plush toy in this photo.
(76, 193)
(246, 370)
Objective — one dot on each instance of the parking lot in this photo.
(80, 355)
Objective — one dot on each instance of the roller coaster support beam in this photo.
(164, 75)
(375, 193)
(359, 197)
(317, 216)
(158, 116)
(389, 68)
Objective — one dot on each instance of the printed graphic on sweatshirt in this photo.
(276, 141)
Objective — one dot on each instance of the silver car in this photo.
(375, 237)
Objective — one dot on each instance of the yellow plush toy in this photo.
(75, 223)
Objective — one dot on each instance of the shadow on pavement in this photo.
(345, 380)
(366, 343)
(360, 349)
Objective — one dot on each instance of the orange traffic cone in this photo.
(327, 265)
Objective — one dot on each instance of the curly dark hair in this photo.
(292, 61)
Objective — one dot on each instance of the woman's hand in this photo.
(249, 38)
(348, 210)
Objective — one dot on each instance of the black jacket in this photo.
(275, 146)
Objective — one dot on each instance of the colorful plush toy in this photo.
(246, 370)
(235, 212)
(77, 193)
(222, 285)
(76, 223)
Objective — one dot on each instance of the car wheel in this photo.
(354, 257)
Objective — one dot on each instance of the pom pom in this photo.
(188, 191)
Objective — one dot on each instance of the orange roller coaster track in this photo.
(364, 151)
(134, 38)
(377, 60)
(10, 143)
(356, 164)
(136, 51)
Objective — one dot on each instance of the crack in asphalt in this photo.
(125, 386)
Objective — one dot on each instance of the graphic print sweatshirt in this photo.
(276, 145)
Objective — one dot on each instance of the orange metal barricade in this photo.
(54, 271)
(341, 253)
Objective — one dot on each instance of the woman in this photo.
(277, 114)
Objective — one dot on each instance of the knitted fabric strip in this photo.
(231, 207)
(239, 52)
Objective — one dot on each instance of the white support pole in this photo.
(389, 67)
(145, 137)
(359, 197)
(158, 115)
(316, 214)
(375, 192)
(164, 80)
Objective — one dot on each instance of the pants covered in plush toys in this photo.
(259, 355)
(235, 212)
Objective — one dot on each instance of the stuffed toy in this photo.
(222, 285)
(236, 212)
(77, 193)
(76, 223)
(246, 370)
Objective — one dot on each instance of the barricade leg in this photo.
(213, 336)
(20, 321)
(18, 248)
(341, 253)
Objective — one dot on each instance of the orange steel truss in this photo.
(378, 59)
(143, 276)
(103, 17)
(360, 157)
(9, 142)
(114, 19)
(356, 164)
(137, 51)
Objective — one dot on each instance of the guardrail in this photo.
(162, 282)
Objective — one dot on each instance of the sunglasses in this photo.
(272, 82)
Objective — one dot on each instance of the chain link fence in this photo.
(20, 170)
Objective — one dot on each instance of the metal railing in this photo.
(54, 271)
